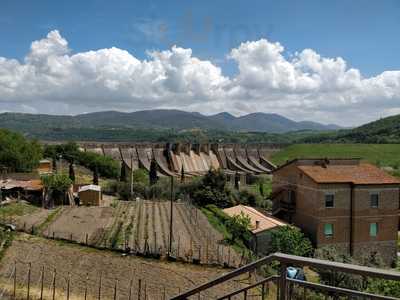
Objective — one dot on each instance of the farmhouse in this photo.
(344, 203)
(262, 226)
(90, 195)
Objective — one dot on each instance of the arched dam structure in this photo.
(184, 159)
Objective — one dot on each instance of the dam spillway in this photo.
(190, 159)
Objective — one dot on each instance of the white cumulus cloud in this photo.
(306, 85)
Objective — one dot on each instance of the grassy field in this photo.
(385, 155)
(17, 209)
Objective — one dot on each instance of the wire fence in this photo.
(145, 231)
(32, 281)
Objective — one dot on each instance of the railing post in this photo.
(282, 282)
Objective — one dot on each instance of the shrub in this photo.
(239, 227)
(210, 189)
(290, 240)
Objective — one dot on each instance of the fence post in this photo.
(15, 281)
(155, 241)
(164, 294)
(99, 294)
(130, 290)
(282, 282)
(86, 239)
(29, 281)
(207, 251)
(68, 283)
(263, 292)
(179, 245)
(139, 289)
(41, 284)
(115, 289)
(54, 284)
(86, 281)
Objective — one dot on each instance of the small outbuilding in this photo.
(261, 226)
(90, 195)
(45, 167)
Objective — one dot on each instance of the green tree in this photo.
(17, 153)
(290, 240)
(210, 190)
(55, 187)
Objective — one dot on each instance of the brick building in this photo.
(345, 203)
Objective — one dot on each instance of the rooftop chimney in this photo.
(257, 224)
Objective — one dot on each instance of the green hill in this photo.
(383, 131)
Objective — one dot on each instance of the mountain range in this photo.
(161, 119)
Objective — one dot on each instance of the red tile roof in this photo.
(265, 222)
(358, 174)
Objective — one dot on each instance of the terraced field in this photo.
(143, 228)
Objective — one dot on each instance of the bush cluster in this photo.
(104, 165)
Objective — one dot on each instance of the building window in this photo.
(373, 229)
(329, 200)
(374, 200)
(328, 230)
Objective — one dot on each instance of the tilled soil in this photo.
(32, 220)
(77, 222)
(82, 267)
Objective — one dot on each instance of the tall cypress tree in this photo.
(96, 176)
(153, 172)
(123, 172)
(71, 171)
(182, 174)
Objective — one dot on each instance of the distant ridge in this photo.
(161, 118)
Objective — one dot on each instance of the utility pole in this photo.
(171, 215)
(131, 176)
(60, 158)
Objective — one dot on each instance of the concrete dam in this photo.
(190, 159)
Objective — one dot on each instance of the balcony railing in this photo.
(290, 288)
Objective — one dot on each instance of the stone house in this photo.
(261, 226)
(344, 203)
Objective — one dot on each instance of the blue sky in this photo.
(363, 33)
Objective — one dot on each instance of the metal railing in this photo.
(285, 285)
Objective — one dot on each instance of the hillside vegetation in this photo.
(379, 154)
(383, 131)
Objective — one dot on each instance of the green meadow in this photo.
(384, 155)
